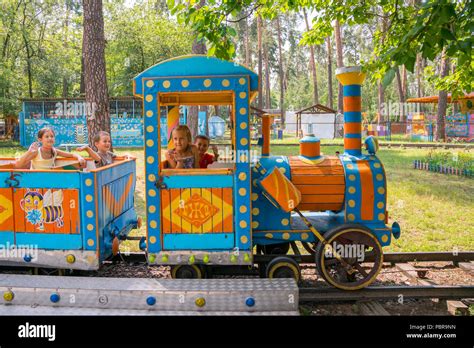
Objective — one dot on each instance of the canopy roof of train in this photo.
(194, 65)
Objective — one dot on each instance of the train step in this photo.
(54, 295)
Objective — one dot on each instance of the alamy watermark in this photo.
(346, 251)
(12, 251)
(74, 109)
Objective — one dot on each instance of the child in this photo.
(185, 155)
(202, 143)
(42, 154)
(103, 156)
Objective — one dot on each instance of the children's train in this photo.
(245, 211)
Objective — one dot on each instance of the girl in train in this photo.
(202, 142)
(42, 154)
(185, 155)
(103, 143)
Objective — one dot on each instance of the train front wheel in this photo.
(187, 272)
(353, 244)
(283, 267)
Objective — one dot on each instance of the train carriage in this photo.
(65, 218)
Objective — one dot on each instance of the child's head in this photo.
(46, 136)
(202, 143)
(181, 136)
(102, 141)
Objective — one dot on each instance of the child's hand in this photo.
(214, 149)
(82, 148)
(82, 161)
(34, 147)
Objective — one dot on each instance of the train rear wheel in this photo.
(283, 267)
(187, 272)
(353, 243)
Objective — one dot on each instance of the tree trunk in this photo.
(95, 79)
(330, 96)
(401, 96)
(442, 99)
(340, 64)
(419, 73)
(313, 64)
(248, 55)
(380, 101)
(282, 87)
(259, 63)
(268, 101)
(65, 45)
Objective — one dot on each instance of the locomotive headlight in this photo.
(371, 145)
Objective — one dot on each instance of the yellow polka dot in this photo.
(352, 177)
(255, 224)
(254, 197)
(149, 113)
(381, 217)
(242, 224)
(185, 83)
(254, 182)
(286, 236)
(384, 238)
(88, 182)
(244, 141)
(243, 125)
(90, 242)
(243, 159)
(379, 177)
(90, 214)
(242, 191)
(207, 83)
(350, 166)
(381, 190)
(376, 165)
(153, 224)
(152, 239)
(352, 189)
(269, 235)
(149, 98)
(243, 111)
(351, 217)
(255, 211)
(150, 83)
(242, 176)
(304, 236)
(244, 239)
(225, 83)
(242, 81)
(285, 222)
(242, 95)
(150, 143)
(351, 203)
(90, 227)
(243, 209)
(151, 209)
(152, 177)
(166, 84)
(89, 198)
(150, 159)
(149, 129)
(380, 205)
(151, 193)
(283, 170)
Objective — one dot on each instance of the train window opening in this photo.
(214, 112)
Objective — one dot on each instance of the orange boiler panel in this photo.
(322, 185)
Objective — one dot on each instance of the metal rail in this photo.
(395, 293)
(447, 256)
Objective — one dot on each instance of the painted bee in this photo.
(43, 209)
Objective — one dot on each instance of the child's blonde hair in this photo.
(186, 130)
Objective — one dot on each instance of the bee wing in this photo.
(58, 197)
(47, 198)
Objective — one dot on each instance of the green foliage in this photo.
(427, 28)
(459, 160)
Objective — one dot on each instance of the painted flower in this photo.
(34, 216)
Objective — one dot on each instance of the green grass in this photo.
(435, 211)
